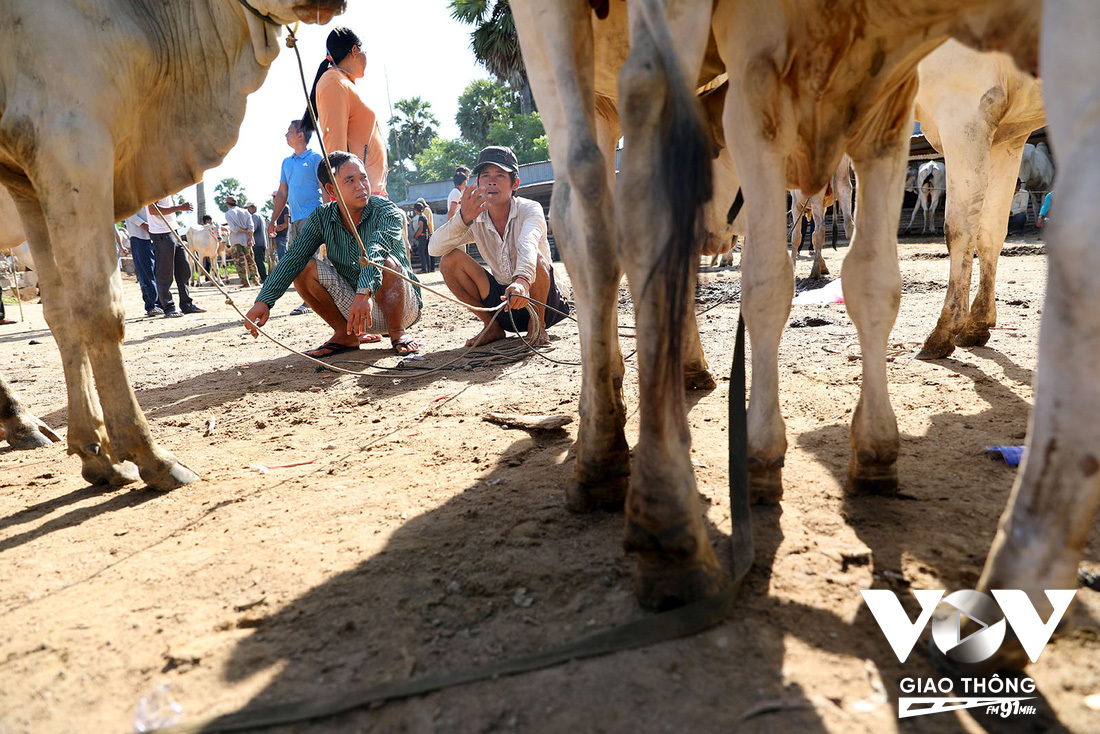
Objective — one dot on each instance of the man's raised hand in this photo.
(472, 204)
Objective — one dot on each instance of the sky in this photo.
(432, 61)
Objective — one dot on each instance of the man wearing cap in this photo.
(510, 234)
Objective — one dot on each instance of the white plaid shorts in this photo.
(343, 294)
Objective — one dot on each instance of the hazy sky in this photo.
(414, 42)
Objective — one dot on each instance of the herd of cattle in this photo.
(712, 97)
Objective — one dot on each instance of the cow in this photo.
(838, 192)
(927, 183)
(209, 251)
(807, 81)
(1037, 173)
(978, 110)
(85, 144)
(21, 429)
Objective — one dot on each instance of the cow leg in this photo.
(842, 193)
(992, 230)
(968, 177)
(85, 266)
(913, 215)
(872, 293)
(819, 268)
(557, 43)
(1043, 531)
(86, 434)
(797, 203)
(658, 192)
(697, 374)
(20, 428)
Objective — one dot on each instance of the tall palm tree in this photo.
(413, 126)
(495, 43)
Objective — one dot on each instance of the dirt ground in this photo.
(350, 530)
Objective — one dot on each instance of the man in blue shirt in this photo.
(298, 187)
(298, 184)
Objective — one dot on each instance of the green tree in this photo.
(481, 104)
(229, 187)
(524, 134)
(412, 128)
(268, 208)
(495, 43)
(438, 162)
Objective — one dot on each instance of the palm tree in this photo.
(412, 128)
(495, 44)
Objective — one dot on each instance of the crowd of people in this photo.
(369, 290)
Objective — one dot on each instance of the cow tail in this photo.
(683, 169)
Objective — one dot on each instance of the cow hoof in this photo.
(976, 338)
(1009, 658)
(765, 481)
(100, 472)
(660, 585)
(699, 380)
(873, 475)
(674, 569)
(171, 476)
(936, 347)
(605, 492)
(30, 439)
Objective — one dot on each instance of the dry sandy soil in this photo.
(413, 537)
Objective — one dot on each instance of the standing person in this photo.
(278, 230)
(347, 122)
(510, 234)
(141, 249)
(298, 186)
(421, 235)
(461, 178)
(1044, 212)
(171, 260)
(259, 242)
(240, 241)
(355, 299)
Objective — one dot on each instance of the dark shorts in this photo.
(519, 320)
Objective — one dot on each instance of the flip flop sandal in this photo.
(331, 348)
(405, 346)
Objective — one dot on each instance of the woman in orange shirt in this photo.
(347, 123)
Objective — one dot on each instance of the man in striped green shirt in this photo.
(354, 300)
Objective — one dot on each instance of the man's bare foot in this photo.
(494, 332)
(538, 340)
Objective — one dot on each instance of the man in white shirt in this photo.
(461, 177)
(510, 234)
(1017, 215)
(240, 241)
(171, 259)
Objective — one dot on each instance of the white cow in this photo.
(801, 92)
(839, 191)
(21, 429)
(90, 135)
(209, 250)
(1057, 493)
(928, 184)
(1037, 173)
(977, 109)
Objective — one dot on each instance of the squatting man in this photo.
(510, 234)
(355, 300)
